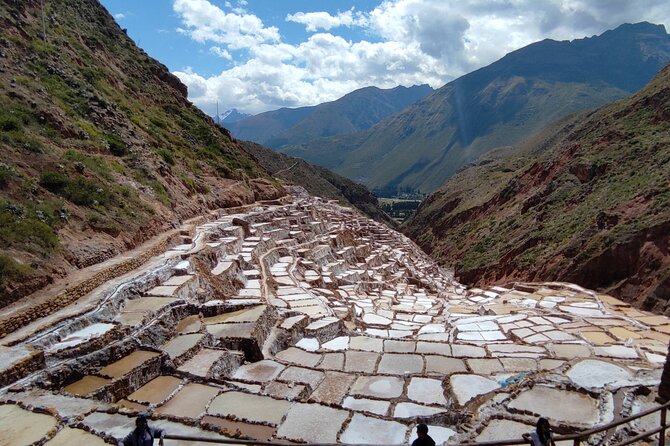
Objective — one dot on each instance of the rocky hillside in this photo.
(587, 201)
(358, 110)
(498, 105)
(318, 181)
(99, 147)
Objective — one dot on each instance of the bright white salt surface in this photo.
(367, 430)
(592, 373)
(374, 319)
(467, 387)
(83, 335)
(339, 343)
(411, 410)
(426, 390)
(309, 344)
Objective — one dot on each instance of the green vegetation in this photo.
(398, 209)
(28, 227)
(12, 271)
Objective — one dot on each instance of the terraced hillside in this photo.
(99, 147)
(586, 201)
(301, 321)
(419, 148)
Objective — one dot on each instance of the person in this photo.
(142, 435)
(542, 434)
(423, 439)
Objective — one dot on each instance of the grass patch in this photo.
(12, 271)
(22, 228)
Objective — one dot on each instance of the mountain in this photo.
(231, 115)
(318, 181)
(585, 201)
(355, 111)
(99, 147)
(498, 105)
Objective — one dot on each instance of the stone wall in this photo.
(74, 293)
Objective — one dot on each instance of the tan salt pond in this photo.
(179, 345)
(559, 406)
(202, 362)
(190, 402)
(127, 364)
(333, 388)
(68, 436)
(19, 426)
(156, 391)
(86, 385)
(503, 430)
(245, 406)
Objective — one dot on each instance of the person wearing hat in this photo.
(143, 435)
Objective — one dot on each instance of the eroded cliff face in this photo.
(99, 147)
(587, 201)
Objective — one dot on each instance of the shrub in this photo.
(167, 156)
(84, 192)
(116, 145)
(53, 181)
(9, 123)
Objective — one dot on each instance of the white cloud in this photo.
(221, 52)
(206, 22)
(408, 42)
(119, 16)
(315, 21)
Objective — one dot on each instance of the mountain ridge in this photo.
(498, 105)
(354, 111)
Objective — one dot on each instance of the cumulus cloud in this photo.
(408, 42)
(206, 22)
(315, 21)
(119, 16)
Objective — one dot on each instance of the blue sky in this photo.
(258, 55)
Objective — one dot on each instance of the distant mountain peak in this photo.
(232, 115)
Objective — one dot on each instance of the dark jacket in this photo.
(142, 438)
(425, 441)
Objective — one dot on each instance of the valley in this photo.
(158, 262)
(300, 320)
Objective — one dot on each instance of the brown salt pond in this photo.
(20, 426)
(156, 391)
(127, 364)
(255, 431)
(190, 402)
(190, 324)
(86, 385)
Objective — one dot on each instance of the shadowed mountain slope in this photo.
(498, 105)
(585, 201)
(355, 111)
(318, 181)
